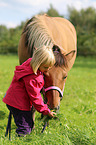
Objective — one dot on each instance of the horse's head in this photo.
(56, 76)
(55, 79)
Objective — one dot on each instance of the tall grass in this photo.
(77, 115)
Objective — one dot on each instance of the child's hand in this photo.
(51, 114)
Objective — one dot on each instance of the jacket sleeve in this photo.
(33, 88)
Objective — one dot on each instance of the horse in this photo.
(60, 35)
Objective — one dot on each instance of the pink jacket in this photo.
(25, 89)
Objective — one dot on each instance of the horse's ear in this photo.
(56, 49)
(70, 59)
(70, 55)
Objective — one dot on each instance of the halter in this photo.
(54, 88)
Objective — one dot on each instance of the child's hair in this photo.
(42, 55)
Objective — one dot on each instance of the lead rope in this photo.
(45, 124)
(44, 127)
(8, 128)
(42, 116)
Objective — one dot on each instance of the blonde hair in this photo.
(42, 55)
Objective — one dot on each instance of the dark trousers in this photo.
(23, 120)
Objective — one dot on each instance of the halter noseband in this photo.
(55, 88)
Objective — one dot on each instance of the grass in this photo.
(77, 115)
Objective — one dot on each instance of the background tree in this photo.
(9, 39)
(52, 12)
(85, 24)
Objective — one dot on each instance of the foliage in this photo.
(85, 23)
(53, 12)
(77, 115)
(9, 39)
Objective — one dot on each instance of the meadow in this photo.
(77, 115)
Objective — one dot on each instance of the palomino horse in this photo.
(60, 35)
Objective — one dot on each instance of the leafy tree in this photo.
(53, 12)
(9, 39)
(85, 23)
(4, 33)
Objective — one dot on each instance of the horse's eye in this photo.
(64, 77)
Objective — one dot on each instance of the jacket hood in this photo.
(23, 70)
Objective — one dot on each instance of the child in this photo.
(25, 87)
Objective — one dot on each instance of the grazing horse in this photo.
(60, 35)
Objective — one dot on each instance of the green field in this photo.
(77, 115)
